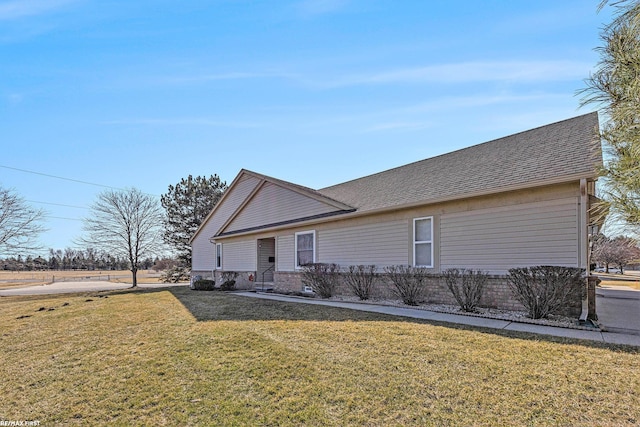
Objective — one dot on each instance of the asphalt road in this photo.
(618, 309)
(71, 287)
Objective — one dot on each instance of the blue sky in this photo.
(317, 92)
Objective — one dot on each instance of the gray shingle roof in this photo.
(549, 153)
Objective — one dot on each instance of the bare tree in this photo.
(619, 251)
(20, 224)
(626, 252)
(125, 223)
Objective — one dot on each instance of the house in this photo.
(517, 201)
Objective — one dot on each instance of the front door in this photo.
(266, 259)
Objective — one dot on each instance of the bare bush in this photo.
(204, 285)
(321, 278)
(466, 286)
(545, 290)
(408, 282)
(176, 274)
(361, 280)
(229, 280)
(162, 264)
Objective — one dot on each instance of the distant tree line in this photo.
(128, 227)
(75, 259)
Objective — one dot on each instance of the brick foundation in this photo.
(497, 293)
(287, 281)
(242, 281)
(204, 274)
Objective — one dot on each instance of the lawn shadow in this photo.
(217, 306)
(208, 306)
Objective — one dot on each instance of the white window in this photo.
(305, 248)
(218, 256)
(423, 242)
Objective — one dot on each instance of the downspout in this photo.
(589, 303)
(215, 258)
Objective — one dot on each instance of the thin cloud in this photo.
(398, 126)
(185, 121)
(407, 118)
(454, 73)
(15, 98)
(481, 100)
(416, 117)
(560, 15)
(470, 72)
(19, 9)
(312, 8)
(236, 75)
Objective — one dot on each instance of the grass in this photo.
(630, 279)
(633, 284)
(182, 357)
(13, 279)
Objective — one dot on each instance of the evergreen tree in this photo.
(54, 260)
(187, 204)
(615, 88)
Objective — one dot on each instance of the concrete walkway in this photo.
(593, 335)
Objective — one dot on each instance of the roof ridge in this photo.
(298, 186)
(271, 178)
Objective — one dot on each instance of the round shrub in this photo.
(204, 285)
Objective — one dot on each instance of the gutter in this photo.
(349, 214)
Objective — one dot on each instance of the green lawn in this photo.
(180, 357)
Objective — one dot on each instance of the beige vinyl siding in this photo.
(273, 204)
(494, 240)
(382, 244)
(285, 257)
(239, 256)
(203, 249)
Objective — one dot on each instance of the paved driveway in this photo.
(618, 309)
(70, 287)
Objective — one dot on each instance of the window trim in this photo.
(218, 261)
(417, 242)
(295, 247)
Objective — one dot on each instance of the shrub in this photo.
(228, 280)
(204, 285)
(545, 290)
(466, 286)
(176, 274)
(408, 282)
(321, 278)
(360, 279)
